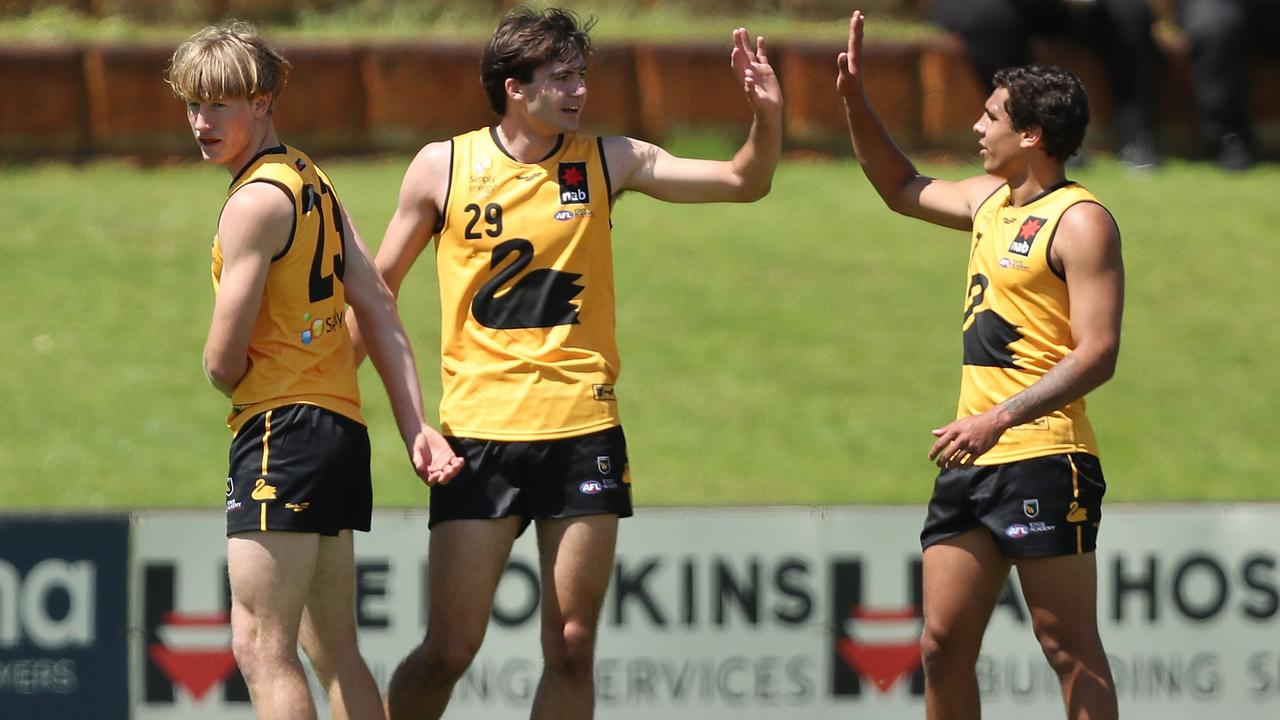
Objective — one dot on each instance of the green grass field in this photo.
(794, 351)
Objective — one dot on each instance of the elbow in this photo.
(1103, 367)
(1107, 369)
(223, 374)
(748, 191)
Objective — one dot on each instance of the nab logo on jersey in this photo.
(573, 183)
(1026, 235)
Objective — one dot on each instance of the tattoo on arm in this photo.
(1058, 387)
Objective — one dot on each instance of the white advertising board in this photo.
(719, 613)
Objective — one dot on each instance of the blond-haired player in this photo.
(286, 262)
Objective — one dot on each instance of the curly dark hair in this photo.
(1050, 98)
(527, 39)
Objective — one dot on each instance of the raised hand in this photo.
(751, 66)
(849, 81)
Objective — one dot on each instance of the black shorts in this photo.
(1042, 507)
(567, 477)
(299, 468)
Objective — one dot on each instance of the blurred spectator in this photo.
(1222, 34)
(997, 35)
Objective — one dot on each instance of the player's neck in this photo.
(525, 142)
(264, 138)
(1032, 183)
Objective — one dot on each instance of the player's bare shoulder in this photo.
(258, 213)
(427, 178)
(1088, 234)
(978, 188)
(624, 156)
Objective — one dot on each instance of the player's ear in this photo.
(1032, 136)
(514, 91)
(261, 105)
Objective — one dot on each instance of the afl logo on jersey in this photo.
(591, 487)
(573, 183)
(564, 215)
(1021, 244)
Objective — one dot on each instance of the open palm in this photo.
(751, 67)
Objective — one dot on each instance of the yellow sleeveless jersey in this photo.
(1017, 324)
(299, 350)
(525, 268)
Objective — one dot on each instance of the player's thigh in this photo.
(963, 577)
(466, 559)
(270, 576)
(328, 620)
(1061, 594)
(576, 558)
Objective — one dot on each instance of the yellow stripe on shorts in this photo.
(266, 452)
(1075, 495)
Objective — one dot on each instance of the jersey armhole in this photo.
(608, 181)
(293, 231)
(1061, 273)
(448, 190)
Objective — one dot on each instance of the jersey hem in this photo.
(526, 435)
(348, 410)
(1031, 454)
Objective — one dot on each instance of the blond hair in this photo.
(226, 61)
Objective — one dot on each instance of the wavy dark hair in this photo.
(527, 39)
(1050, 98)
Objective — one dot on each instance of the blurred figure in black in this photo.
(997, 33)
(1222, 34)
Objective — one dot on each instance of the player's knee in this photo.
(1065, 648)
(571, 651)
(250, 649)
(446, 658)
(941, 650)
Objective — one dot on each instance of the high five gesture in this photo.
(755, 74)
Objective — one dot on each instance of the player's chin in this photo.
(570, 121)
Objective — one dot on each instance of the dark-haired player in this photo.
(522, 215)
(1020, 483)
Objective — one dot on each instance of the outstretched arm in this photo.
(388, 347)
(647, 168)
(895, 178)
(1087, 248)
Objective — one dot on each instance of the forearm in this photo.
(886, 167)
(1071, 379)
(357, 336)
(756, 160)
(387, 345)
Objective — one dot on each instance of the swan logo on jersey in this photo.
(1021, 244)
(573, 183)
